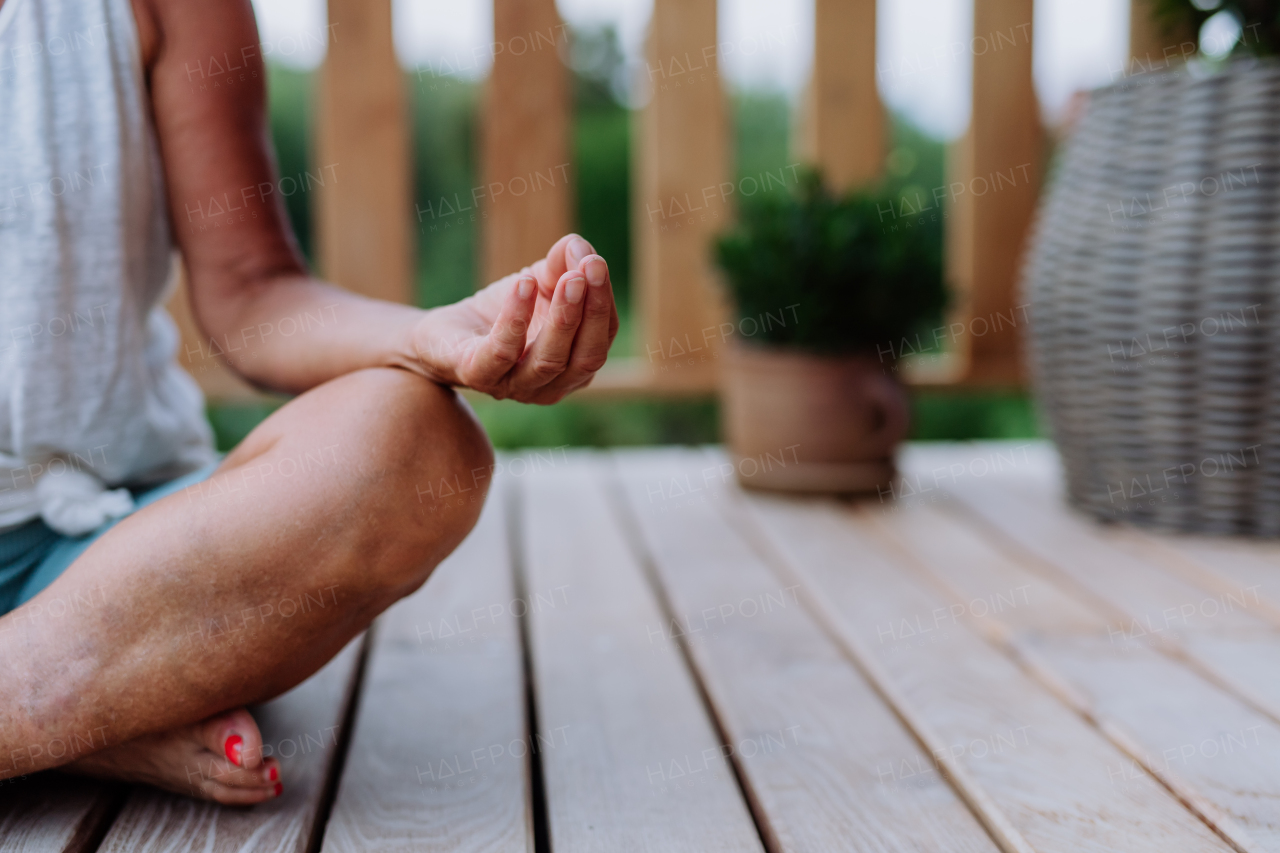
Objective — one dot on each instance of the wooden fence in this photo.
(681, 160)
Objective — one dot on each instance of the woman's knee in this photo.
(405, 475)
(428, 468)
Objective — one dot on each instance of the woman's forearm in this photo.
(293, 333)
(533, 336)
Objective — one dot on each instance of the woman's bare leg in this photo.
(335, 502)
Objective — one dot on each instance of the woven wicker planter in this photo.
(1153, 277)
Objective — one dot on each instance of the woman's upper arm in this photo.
(208, 92)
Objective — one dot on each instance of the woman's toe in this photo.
(218, 770)
(230, 795)
(233, 735)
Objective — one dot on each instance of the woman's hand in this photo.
(533, 336)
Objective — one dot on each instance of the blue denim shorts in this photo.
(34, 555)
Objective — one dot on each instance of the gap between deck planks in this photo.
(810, 733)
(1230, 569)
(304, 727)
(475, 690)
(51, 813)
(1230, 640)
(1033, 769)
(59, 814)
(439, 755)
(1219, 754)
(437, 695)
(630, 759)
(1142, 699)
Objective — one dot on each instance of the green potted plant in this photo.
(825, 288)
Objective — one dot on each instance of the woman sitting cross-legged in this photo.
(122, 536)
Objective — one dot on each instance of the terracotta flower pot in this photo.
(803, 423)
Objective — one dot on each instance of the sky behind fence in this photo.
(925, 46)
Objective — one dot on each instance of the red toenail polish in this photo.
(275, 774)
(232, 749)
(279, 789)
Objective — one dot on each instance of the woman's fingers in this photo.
(566, 254)
(576, 251)
(549, 353)
(501, 349)
(563, 356)
(594, 334)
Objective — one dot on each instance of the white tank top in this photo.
(88, 379)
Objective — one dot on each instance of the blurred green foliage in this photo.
(1259, 21)
(231, 422)
(761, 133)
(444, 113)
(291, 98)
(599, 423)
(935, 416)
(916, 163)
(602, 155)
(954, 416)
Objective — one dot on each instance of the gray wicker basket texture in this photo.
(1153, 280)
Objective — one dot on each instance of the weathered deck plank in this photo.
(1040, 763)
(302, 728)
(1218, 754)
(1231, 569)
(1107, 682)
(1229, 640)
(664, 616)
(53, 813)
(810, 734)
(617, 707)
(438, 758)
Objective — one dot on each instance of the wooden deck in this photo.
(629, 653)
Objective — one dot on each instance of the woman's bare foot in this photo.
(217, 759)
